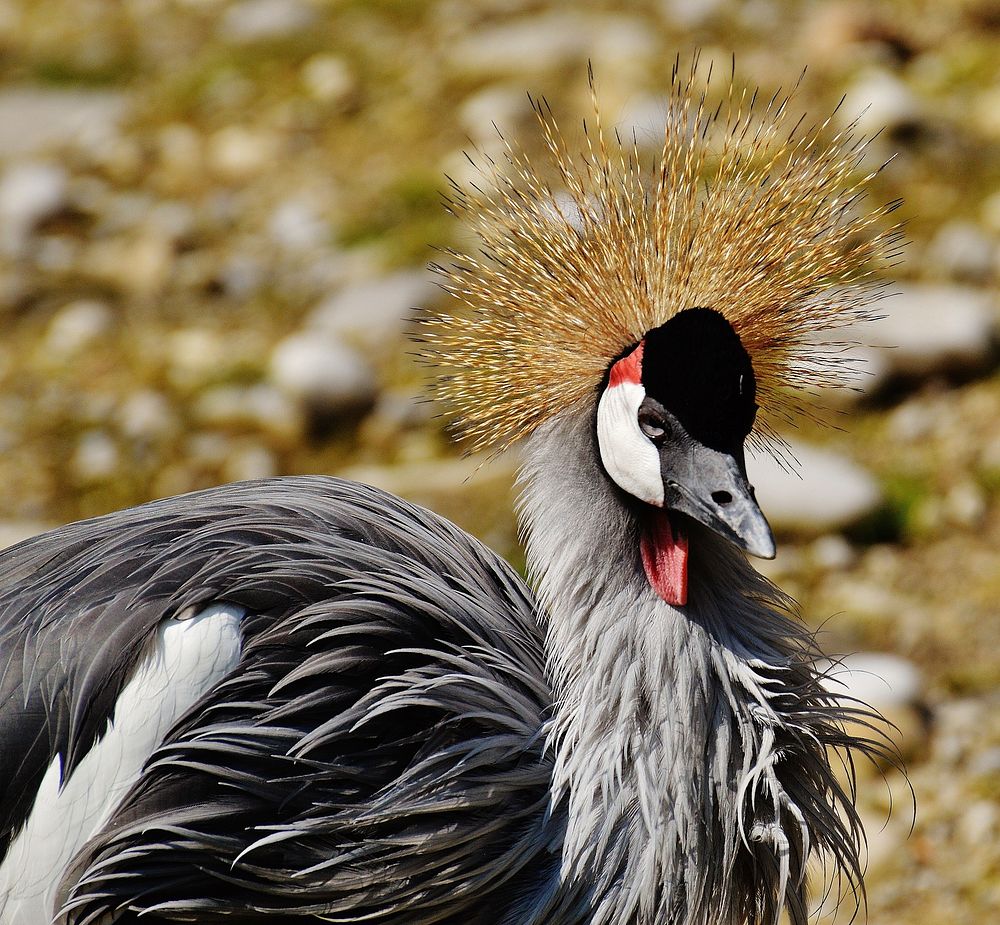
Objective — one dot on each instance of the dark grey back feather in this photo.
(377, 755)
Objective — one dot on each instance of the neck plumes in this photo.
(690, 743)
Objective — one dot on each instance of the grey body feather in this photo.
(408, 738)
(690, 744)
(378, 753)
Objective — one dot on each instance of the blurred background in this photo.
(215, 218)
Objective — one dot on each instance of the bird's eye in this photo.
(652, 426)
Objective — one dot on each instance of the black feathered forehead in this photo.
(696, 366)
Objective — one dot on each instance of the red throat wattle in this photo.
(664, 548)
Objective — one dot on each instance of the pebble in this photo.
(77, 326)
(297, 226)
(96, 458)
(241, 275)
(250, 462)
(966, 504)
(643, 118)
(30, 191)
(147, 416)
(825, 492)
(259, 407)
(865, 371)
(34, 120)
(181, 154)
(56, 254)
(394, 414)
(237, 153)
(373, 314)
(16, 531)
(832, 553)
(328, 78)
(964, 252)
(928, 329)
(497, 107)
(544, 41)
(196, 356)
(891, 685)
(913, 421)
(326, 376)
(878, 678)
(137, 264)
(690, 14)
(263, 20)
(880, 101)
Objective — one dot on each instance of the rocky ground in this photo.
(214, 221)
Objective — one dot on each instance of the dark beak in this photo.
(711, 487)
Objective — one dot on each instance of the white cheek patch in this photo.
(627, 453)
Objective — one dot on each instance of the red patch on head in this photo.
(627, 369)
(664, 548)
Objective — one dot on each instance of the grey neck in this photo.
(689, 743)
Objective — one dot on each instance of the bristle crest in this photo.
(749, 212)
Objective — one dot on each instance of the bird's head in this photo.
(672, 419)
(666, 304)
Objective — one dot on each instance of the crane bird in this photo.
(306, 699)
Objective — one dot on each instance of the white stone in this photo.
(77, 326)
(16, 531)
(964, 252)
(497, 107)
(832, 552)
(324, 374)
(689, 14)
(879, 101)
(195, 355)
(643, 119)
(990, 212)
(173, 220)
(825, 492)
(893, 686)
(251, 462)
(262, 407)
(877, 678)
(543, 41)
(862, 372)
(260, 20)
(328, 78)
(296, 225)
(913, 421)
(548, 40)
(56, 254)
(966, 504)
(928, 329)
(96, 458)
(29, 193)
(147, 416)
(373, 314)
(238, 153)
(34, 120)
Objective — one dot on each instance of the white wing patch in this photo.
(627, 453)
(188, 657)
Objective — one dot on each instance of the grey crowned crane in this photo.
(304, 699)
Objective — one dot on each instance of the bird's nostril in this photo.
(721, 497)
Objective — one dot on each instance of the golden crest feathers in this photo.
(750, 212)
